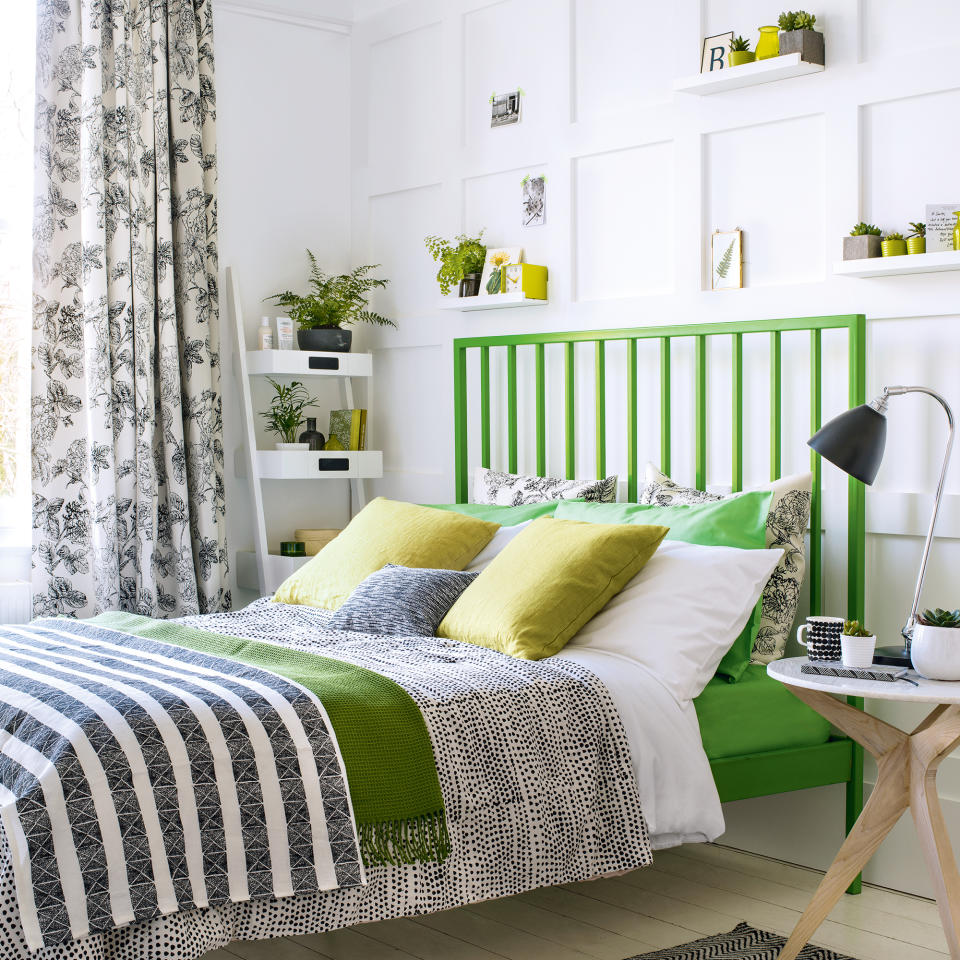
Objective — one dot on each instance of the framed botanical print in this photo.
(497, 257)
(726, 260)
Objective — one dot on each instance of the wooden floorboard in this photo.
(688, 893)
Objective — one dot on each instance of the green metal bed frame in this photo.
(839, 760)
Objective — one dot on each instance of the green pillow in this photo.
(546, 583)
(737, 522)
(498, 513)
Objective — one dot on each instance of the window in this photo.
(17, 45)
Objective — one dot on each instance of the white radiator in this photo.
(15, 602)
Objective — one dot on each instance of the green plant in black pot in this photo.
(286, 409)
(461, 262)
(335, 302)
(740, 52)
(917, 241)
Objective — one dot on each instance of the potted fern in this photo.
(798, 36)
(286, 413)
(893, 245)
(335, 302)
(935, 645)
(917, 241)
(863, 242)
(740, 52)
(461, 262)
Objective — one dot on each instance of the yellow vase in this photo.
(769, 43)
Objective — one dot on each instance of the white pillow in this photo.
(681, 613)
(500, 539)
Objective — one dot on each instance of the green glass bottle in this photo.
(956, 231)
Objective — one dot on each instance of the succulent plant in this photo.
(865, 229)
(941, 618)
(801, 20)
(739, 44)
(919, 229)
(852, 628)
(893, 236)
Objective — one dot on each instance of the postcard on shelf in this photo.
(349, 429)
(941, 220)
(492, 281)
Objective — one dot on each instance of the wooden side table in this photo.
(907, 777)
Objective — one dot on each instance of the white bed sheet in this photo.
(678, 795)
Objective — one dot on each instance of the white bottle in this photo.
(265, 334)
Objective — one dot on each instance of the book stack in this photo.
(348, 430)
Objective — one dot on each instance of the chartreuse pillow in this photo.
(737, 522)
(547, 583)
(506, 516)
(385, 531)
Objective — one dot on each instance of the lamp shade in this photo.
(854, 442)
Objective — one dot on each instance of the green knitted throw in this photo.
(383, 739)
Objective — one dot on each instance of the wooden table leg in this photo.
(906, 777)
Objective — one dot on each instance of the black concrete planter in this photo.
(329, 339)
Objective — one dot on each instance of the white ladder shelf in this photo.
(260, 569)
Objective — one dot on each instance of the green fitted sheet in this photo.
(755, 715)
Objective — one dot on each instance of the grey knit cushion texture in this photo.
(401, 601)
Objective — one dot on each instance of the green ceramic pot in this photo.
(916, 244)
(769, 43)
(737, 57)
(893, 248)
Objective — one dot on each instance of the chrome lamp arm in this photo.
(880, 405)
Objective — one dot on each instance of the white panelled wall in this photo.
(637, 178)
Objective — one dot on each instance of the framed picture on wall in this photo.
(726, 260)
(497, 258)
(715, 50)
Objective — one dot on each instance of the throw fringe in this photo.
(421, 839)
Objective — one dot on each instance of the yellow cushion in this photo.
(385, 531)
(547, 583)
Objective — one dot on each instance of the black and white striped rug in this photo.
(741, 943)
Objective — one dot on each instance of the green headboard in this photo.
(596, 340)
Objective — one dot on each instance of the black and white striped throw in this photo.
(742, 943)
(139, 778)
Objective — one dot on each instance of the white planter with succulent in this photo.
(857, 645)
(935, 647)
(285, 416)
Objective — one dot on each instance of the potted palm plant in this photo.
(740, 52)
(893, 245)
(863, 242)
(917, 241)
(461, 262)
(335, 302)
(935, 646)
(286, 413)
(798, 36)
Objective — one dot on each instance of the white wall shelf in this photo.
(498, 301)
(898, 266)
(307, 363)
(319, 464)
(746, 75)
(276, 569)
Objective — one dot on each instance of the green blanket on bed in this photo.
(383, 739)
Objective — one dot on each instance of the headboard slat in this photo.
(512, 407)
(666, 431)
(700, 401)
(816, 467)
(570, 403)
(736, 419)
(600, 380)
(776, 404)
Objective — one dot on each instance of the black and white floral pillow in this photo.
(786, 524)
(400, 601)
(511, 489)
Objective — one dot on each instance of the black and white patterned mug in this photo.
(823, 640)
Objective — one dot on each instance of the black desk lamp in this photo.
(854, 442)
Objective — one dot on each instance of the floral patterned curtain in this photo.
(128, 495)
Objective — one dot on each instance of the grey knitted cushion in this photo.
(401, 601)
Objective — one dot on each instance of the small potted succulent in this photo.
(857, 645)
(798, 36)
(740, 52)
(935, 646)
(863, 242)
(917, 241)
(893, 245)
(335, 302)
(461, 262)
(286, 413)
